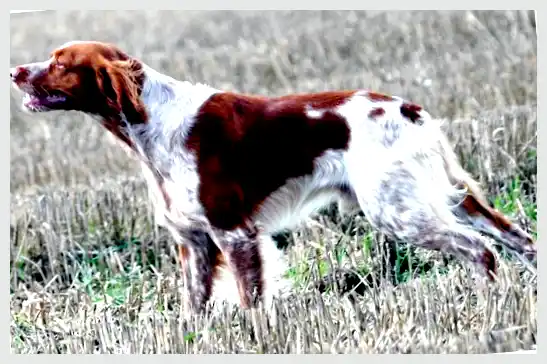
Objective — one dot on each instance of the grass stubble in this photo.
(90, 273)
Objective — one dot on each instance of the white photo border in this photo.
(277, 5)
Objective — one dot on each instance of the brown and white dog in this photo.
(226, 170)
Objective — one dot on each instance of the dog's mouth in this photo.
(37, 102)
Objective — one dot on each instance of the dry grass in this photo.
(90, 273)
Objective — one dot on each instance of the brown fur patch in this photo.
(411, 111)
(183, 256)
(475, 207)
(490, 264)
(248, 146)
(376, 112)
(376, 96)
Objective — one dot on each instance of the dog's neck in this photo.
(167, 99)
(158, 90)
(171, 107)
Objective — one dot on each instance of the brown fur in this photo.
(376, 97)
(272, 137)
(376, 112)
(476, 207)
(411, 111)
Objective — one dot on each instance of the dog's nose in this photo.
(18, 73)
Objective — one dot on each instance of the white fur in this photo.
(416, 147)
(171, 107)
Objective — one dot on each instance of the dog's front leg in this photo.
(240, 248)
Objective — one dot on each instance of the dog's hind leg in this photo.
(405, 203)
(473, 209)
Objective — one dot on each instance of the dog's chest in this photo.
(156, 195)
(172, 192)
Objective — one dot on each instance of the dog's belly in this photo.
(290, 205)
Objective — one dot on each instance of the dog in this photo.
(226, 170)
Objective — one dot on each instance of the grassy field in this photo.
(89, 272)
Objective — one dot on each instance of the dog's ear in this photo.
(121, 83)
